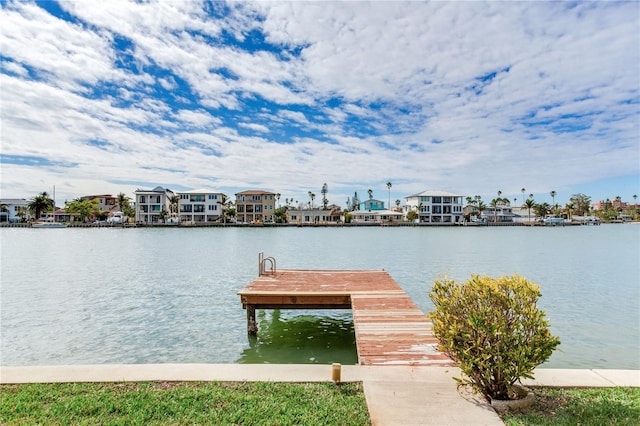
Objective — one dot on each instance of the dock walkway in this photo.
(390, 329)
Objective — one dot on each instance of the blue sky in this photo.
(466, 97)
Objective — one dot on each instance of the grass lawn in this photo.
(264, 403)
(585, 407)
(154, 403)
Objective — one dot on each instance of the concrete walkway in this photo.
(396, 395)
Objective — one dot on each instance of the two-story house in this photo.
(200, 205)
(15, 210)
(436, 206)
(255, 206)
(371, 205)
(150, 202)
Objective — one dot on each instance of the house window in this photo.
(213, 196)
(143, 199)
(184, 196)
(213, 207)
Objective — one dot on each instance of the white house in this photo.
(436, 206)
(315, 216)
(200, 205)
(149, 204)
(12, 209)
(375, 216)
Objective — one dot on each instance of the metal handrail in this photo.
(262, 262)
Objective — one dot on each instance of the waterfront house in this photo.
(106, 202)
(255, 206)
(200, 206)
(371, 205)
(435, 206)
(149, 204)
(375, 216)
(315, 216)
(15, 210)
(502, 212)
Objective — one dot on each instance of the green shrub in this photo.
(493, 329)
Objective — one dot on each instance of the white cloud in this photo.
(256, 127)
(369, 92)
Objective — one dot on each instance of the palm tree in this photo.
(370, 192)
(494, 203)
(278, 198)
(553, 198)
(569, 209)
(123, 201)
(324, 191)
(223, 207)
(4, 208)
(174, 200)
(40, 203)
(312, 196)
(523, 191)
(163, 214)
(529, 203)
(389, 185)
(397, 203)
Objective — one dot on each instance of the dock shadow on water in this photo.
(296, 337)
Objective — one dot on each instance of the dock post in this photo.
(252, 326)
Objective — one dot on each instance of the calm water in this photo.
(83, 296)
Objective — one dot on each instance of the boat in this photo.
(45, 224)
(553, 221)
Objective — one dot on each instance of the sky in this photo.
(103, 97)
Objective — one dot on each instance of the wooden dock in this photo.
(390, 329)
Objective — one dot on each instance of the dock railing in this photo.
(262, 262)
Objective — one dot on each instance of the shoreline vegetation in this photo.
(271, 403)
(304, 225)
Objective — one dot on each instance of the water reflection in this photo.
(294, 337)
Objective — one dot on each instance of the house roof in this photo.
(199, 191)
(433, 193)
(255, 192)
(13, 201)
(157, 189)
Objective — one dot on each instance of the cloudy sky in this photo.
(468, 97)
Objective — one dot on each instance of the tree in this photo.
(498, 202)
(82, 208)
(4, 209)
(370, 192)
(355, 201)
(477, 202)
(312, 196)
(412, 215)
(389, 185)
(529, 203)
(397, 203)
(40, 203)
(553, 198)
(324, 191)
(174, 200)
(278, 198)
(22, 213)
(163, 215)
(123, 201)
(581, 203)
(224, 205)
(523, 191)
(280, 215)
(542, 209)
(568, 208)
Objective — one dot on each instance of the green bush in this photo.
(493, 329)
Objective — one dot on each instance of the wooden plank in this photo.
(390, 329)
